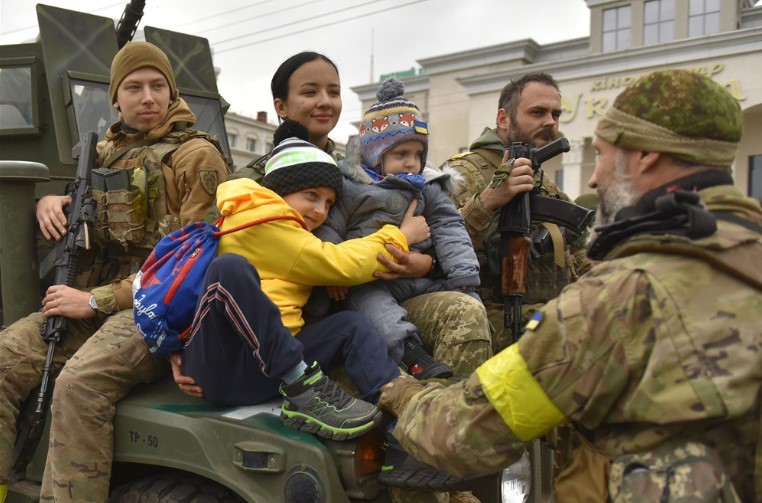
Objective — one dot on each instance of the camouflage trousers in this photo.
(455, 327)
(22, 357)
(101, 369)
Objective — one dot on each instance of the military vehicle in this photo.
(167, 446)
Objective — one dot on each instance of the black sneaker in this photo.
(315, 404)
(422, 365)
(402, 470)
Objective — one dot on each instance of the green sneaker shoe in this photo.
(316, 404)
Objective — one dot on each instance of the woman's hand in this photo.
(407, 265)
(337, 293)
(414, 228)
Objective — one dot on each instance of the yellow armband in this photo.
(517, 396)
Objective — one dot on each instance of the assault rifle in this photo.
(80, 219)
(514, 226)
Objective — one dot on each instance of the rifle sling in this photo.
(558, 243)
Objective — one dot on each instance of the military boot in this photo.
(421, 365)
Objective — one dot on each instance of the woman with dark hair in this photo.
(453, 326)
(305, 88)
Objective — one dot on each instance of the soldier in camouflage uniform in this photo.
(528, 112)
(174, 173)
(655, 355)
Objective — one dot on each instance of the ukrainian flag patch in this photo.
(420, 127)
(535, 321)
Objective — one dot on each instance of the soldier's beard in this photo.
(517, 133)
(617, 194)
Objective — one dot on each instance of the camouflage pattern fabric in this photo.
(454, 327)
(677, 112)
(102, 372)
(544, 278)
(645, 350)
(113, 357)
(687, 473)
(22, 357)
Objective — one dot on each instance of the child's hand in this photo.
(414, 228)
(337, 293)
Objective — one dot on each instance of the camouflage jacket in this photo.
(182, 191)
(659, 343)
(549, 270)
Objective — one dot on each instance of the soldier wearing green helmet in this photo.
(655, 355)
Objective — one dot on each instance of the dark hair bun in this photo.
(290, 128)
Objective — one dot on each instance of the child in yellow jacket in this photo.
(249, 340)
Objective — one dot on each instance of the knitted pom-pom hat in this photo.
(389, 122)
(296, 164)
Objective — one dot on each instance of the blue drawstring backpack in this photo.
(166, 290)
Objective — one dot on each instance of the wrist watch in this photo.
(92, 302)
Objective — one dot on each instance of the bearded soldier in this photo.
(655, 355)
(528, 111)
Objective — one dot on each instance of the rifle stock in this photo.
(514, 226)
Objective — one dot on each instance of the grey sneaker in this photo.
(316, 404)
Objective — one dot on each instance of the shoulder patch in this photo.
(209, 180)
(462, 154)
(533, 323)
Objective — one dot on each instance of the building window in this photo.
(559, 179)
(703, 17)
(616, 29)
(251, 144)
(659, 22)
(233, 140)
(755, 176)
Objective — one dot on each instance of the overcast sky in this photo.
(250, 38)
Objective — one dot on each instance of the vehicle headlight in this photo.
(303, 486)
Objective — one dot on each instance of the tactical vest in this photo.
(130, 191)
(550, 264)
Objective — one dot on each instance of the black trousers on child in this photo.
(239, 349)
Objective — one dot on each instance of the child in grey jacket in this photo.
(379, 186)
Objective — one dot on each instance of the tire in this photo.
(173, 489)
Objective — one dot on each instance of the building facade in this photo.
(249, 138)
(719, 38)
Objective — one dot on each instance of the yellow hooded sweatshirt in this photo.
(289, 259)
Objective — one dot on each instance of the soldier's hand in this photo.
(520, 180)
(414, 228)
(186, 384)
(396, 394)
(51, 216)
(407, 265)
(62, 300)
